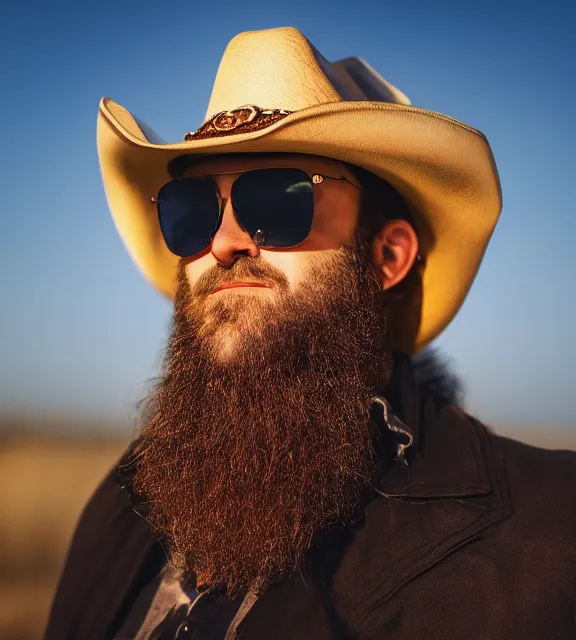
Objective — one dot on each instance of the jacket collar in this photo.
(441, 451)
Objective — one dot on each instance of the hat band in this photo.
(243, 119)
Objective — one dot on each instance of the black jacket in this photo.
(475, 538)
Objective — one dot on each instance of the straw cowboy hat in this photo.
(274, 92)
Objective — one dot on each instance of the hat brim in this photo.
(442, 167)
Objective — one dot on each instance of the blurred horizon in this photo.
(83, 332)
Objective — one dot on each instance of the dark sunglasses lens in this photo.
(279, 203)
(188, 210)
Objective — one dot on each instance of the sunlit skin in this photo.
(336, 212)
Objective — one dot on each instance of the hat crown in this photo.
(280, 68)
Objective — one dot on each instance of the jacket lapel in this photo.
(452, 489)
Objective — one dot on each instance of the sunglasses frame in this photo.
(317, 178)
(258, 236)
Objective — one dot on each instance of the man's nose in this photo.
(231, 240)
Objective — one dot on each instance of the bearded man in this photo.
(292, 476)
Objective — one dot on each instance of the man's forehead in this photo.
(243, 161)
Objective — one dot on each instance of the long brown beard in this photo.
(243, 459)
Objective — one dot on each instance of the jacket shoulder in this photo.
(542, 487)
(106, 556)
(541, 475)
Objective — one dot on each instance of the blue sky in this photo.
(82, 332)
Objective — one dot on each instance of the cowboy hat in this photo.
(274, 92)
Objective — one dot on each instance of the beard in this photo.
(258, 433)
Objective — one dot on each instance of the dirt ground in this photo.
(44, 483)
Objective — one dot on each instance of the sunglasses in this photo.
(275, 206)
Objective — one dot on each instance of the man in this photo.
(292, 478)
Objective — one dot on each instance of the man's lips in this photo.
(230, 285)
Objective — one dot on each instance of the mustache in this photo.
(245, 267)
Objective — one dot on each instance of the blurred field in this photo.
(44, 482)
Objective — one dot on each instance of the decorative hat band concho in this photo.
(243, 119)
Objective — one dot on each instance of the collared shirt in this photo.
(165, 610)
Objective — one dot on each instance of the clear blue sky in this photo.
(81, 330)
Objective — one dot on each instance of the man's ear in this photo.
(394, 250)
